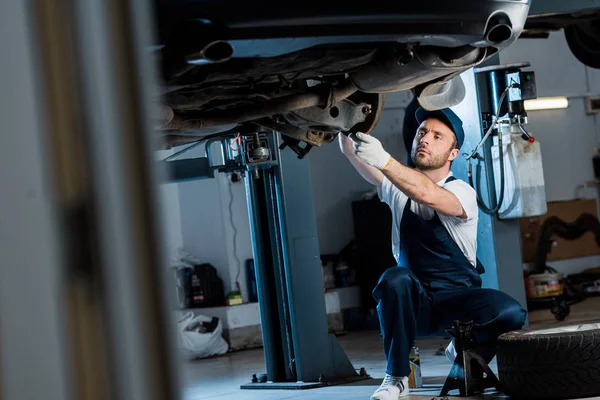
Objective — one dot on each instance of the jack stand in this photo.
(470, 374)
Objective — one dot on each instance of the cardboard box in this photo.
(562, 249)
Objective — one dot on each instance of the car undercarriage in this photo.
(231, 73)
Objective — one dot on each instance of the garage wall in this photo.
(197, 221)
(170, 214)
(207, 229)
(568, 137)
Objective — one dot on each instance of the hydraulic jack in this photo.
(470, 374)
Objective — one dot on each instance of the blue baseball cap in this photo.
(448, 117)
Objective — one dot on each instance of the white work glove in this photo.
(346, 144)
(369, 149)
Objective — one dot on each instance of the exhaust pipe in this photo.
(215, 52)
(318, 96)
(499, 29)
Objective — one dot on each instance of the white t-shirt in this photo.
(463, 231)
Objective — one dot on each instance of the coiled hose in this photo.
(482, 205)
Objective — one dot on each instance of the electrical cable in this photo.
(523, 129)
(492, 125)
(238, 141)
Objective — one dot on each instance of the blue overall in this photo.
(438, 286)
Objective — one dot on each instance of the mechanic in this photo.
(434, 240)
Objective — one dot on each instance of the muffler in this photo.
(394, 71)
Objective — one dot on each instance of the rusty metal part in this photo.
(311, 137)
(376, 102)
(340, 117)
(319, 138)
(318, 96)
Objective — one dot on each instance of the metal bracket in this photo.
(294, 145)
(189, 169)
(196, 168)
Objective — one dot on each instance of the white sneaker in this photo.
(391, 388)
(451, 352)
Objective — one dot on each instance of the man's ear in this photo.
(453, 154)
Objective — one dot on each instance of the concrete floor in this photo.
(221, 377)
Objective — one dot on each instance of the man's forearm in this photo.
(413, 183)
(423, 190)
(370, 174)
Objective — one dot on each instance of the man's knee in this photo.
(512, 315)
(393, 279)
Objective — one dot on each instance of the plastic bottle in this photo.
(415, 380)
(524, 186)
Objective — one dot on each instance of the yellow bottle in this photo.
(415, 380)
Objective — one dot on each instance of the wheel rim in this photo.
(565, 329)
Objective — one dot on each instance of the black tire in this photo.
(584, 42)
(537, 365)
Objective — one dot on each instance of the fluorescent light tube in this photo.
(546, 103)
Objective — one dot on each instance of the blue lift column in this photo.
(300, 352)
(498, 241)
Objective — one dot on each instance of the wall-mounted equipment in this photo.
(513, 154)
(592, 104)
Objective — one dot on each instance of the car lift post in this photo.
(299, 350)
